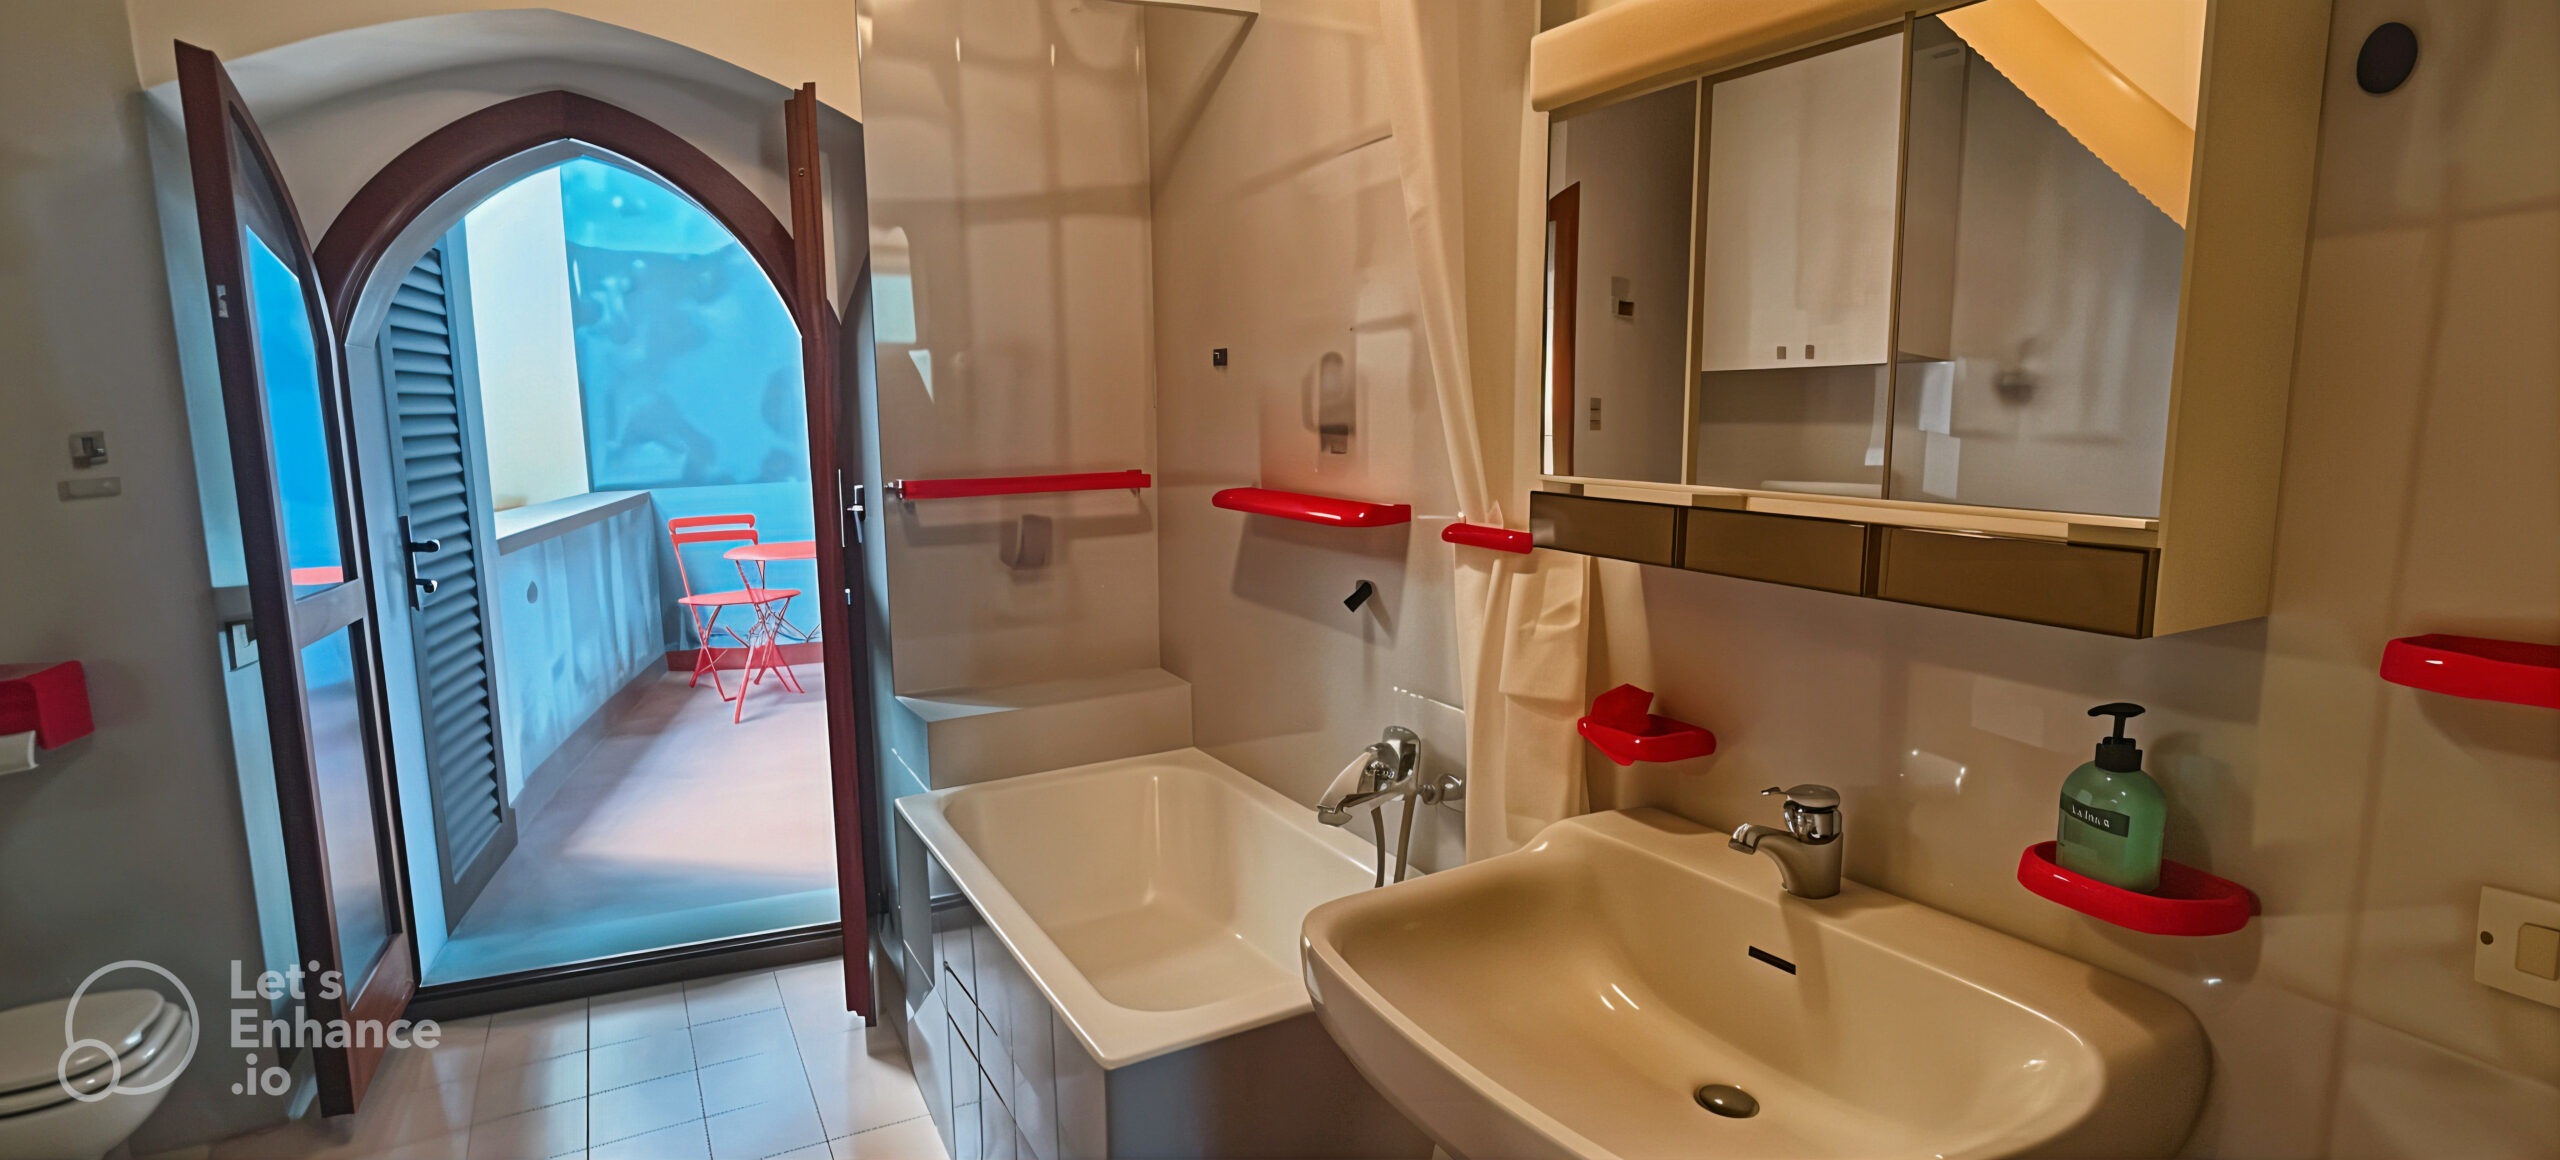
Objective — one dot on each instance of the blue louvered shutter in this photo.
(422, 365)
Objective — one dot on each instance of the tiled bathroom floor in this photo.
(747, 1067)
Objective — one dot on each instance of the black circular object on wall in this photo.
(2389, 55)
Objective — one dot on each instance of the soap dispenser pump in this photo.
(2112, 812)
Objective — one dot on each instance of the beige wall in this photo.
(1280, 235)
(2421, 494)
(788, 42)
(128, 844)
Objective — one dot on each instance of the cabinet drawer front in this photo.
(1647, 533)
(1826, 554)
(2069, 585)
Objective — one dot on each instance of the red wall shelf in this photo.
(2476, 667)
(2189, 902)
(1019, 484)
(1621, 730)
(1312, 509)
(1481, 536)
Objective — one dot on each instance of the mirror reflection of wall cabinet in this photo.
(1798, 265)
(1992, 289)
(1796, 272)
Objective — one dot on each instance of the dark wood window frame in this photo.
(358, 241)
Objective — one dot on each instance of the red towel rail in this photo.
(1018, 484)
(1481, 536)
(1313, 509)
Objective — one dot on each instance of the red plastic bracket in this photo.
(2476, 667)
(2189, 901)
(1480, 536)
(1621, 730)
(1312, 509)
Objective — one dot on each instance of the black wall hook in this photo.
(2389, 55)
(1360, 595)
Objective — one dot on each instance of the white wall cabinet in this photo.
(1798, 256)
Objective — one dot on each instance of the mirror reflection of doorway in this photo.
(578, 361)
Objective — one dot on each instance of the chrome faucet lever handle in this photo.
(1808, 795)
(1812, 811)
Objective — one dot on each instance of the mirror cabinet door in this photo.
(1796, 286)
(1621, 189)
(2039, 306)
(1939, 262)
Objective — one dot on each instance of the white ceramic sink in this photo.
(1569, 1000)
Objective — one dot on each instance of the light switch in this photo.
(2518, 945)
(2538, 951)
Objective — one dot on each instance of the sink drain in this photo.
(1729, 1101)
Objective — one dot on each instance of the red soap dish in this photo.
(2190, 901)
(2476, 667)
(1663, 740)
(1620, 729)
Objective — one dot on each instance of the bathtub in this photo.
(1103, 961)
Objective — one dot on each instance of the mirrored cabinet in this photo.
(1988, 306)
(1621, 189)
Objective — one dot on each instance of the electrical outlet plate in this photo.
(2503, 916)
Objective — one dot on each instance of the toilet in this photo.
(129, 1039)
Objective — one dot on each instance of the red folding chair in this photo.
(779, 620)
(768, 605)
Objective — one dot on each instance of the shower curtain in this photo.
(1525, 622)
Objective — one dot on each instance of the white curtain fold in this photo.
(1524, 626)
(1425, 88)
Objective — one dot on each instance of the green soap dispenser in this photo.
(2112, 813)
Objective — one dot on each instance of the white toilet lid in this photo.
(31, 1039)
(159, 1040)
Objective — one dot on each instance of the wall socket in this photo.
(2518, 948)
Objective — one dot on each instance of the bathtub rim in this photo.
(1117, 1036)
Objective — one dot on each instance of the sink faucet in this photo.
(1808, 850)
(1390, 768)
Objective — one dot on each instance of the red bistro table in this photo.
(768, 656)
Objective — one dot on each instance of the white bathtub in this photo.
(1145, 910)
(1154, 900)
